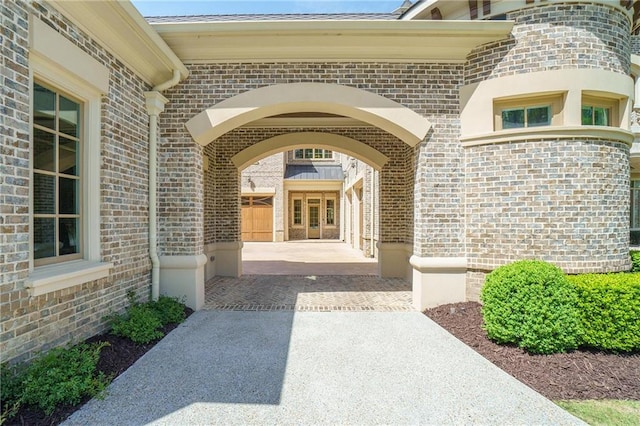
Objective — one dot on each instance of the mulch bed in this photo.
(114, 360)
(581, 374)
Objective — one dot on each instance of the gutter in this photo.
(155, 105)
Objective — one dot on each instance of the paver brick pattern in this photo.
(319, 293)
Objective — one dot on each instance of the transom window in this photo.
(312, 154)
(56, 176)
(533, 116)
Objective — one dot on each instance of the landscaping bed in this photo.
(115, 358)
(579, 374)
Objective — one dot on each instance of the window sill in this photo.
(549, 132)
(47, 279)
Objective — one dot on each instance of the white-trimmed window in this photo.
(599, 111)
(57, 176)
(534, 116)
(312, 154)
(296, 213)
(528, 112)
(66, 96)
(330, 211)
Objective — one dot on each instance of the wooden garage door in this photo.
(257, 218)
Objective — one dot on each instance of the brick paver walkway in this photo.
(308, 293)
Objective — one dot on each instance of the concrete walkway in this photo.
(238, 367)
(308, 257)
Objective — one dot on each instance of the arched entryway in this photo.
(371, 127)
(377, 130)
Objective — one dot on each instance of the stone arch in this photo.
(267, 101)
(330, 141)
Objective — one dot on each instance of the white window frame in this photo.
(80, 177)
(70, 70)
(335, 215)
(553, 102)
(293, 211)
(314, 151)
(612, 105)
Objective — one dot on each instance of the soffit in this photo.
(361, 40)
(119, 28)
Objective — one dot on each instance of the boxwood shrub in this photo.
(532, 304)
(609, 305)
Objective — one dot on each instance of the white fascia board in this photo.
(396, 41)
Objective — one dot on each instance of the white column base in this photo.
(393, 260)
(210, 266)
(228, 259)
(438, 281)
(183, 277)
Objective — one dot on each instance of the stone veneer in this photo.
(29, 324)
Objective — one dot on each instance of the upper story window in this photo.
(57, 146)
(528, 112)
(526, 117)
(312, 154)
(597, 111)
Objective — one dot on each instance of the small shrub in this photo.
(169, 310)
(62, 376)
(140, 324)
(532, 304)
(142, 321)
(11, 378)
(609, 306)
(635, 261)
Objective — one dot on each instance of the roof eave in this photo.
(258, 41)
(121, 29)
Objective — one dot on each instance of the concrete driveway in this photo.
(239, 367)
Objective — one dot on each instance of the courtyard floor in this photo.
(314, 275)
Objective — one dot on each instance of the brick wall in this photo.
(565, 201)
(28, 323)
(635, 44)
(222, 220)
(556, 36)
(268, 173)
(428, 89)
(561, 200)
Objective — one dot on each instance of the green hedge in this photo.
(532, 304)
(609, 306)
